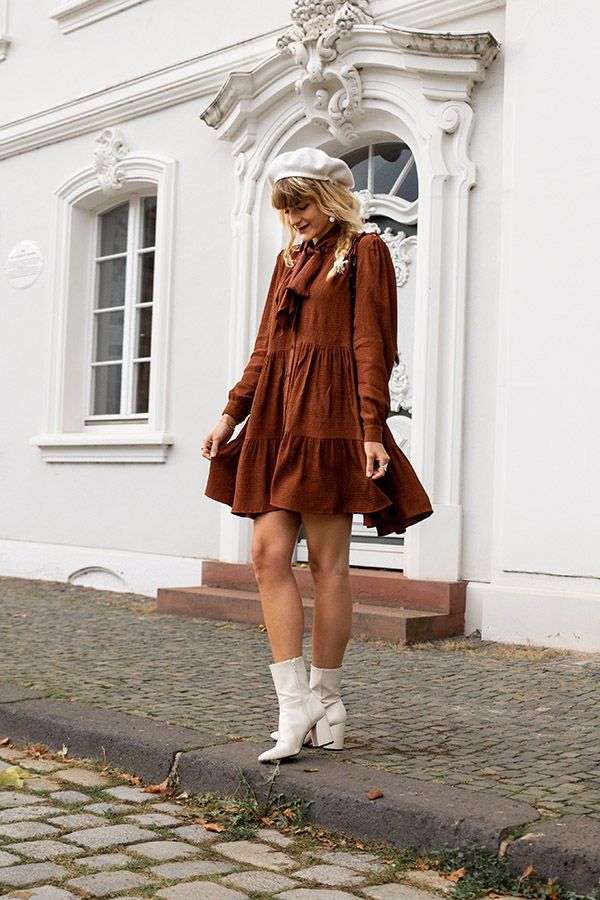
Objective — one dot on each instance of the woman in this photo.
(316, 448)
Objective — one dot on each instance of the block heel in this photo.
(338, 732)
(321, 734)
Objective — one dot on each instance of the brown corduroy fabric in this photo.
(314, 390)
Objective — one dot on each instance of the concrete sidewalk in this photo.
(468, 746)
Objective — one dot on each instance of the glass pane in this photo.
(388, 161)
(113, 230)
(358, 162)
(141, 385)
(149, 221)
(146, 277)
(144, 331)
(107, 390)
(409, 189)
(109, 336)
(111, 283)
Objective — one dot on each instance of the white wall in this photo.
(547, 482)
(46, 67)
(147, 508)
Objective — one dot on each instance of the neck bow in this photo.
(296, 286)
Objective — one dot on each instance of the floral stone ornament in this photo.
(312, 40)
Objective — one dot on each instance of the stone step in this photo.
(370, 621)
(369, 586)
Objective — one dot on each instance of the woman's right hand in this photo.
(220, 434)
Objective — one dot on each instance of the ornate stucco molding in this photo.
(109, 153)
(446, 67)
(330, 89)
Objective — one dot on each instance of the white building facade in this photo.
(137, 242)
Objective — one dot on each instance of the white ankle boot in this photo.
(300, 711)
(326, 684)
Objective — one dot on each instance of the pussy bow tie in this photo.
(296, 287)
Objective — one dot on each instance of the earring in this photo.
(332, 218)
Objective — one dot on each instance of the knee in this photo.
(321, 567)
(270, 560)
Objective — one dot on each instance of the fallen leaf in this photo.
(456, 875)
(374, 794)
(4, 741)
(161, 788)
(310, 770)
(528, 871)
(183, 796)
(214, 826)
(289, 814)
(13, 776)
(543, 708)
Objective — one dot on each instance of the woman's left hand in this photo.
(376, 452)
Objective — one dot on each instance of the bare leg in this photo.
(328, 539)
(273, 542)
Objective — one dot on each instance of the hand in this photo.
(375, 452)
(218, 435)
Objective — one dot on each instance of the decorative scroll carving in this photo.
(331, 90)
(110, 151)
(399, 387)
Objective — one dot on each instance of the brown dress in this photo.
(316, 388)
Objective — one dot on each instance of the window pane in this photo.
(357, 161)
(144, 331)
(388, 161)
(409, 189)
(146, 277)
(149, 220)
(113, 230)
(111, 283)
(109, 336)
(141, 386)
(107, 390)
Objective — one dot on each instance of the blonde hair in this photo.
(332, 198)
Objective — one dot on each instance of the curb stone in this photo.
(565, 849)
(136, 744)
(421, 814)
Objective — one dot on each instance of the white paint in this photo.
(98, 567)
(79, 13)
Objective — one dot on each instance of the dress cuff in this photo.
(232, 410)
(373, 433)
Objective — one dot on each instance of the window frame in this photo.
(69, 435)
(130, 306)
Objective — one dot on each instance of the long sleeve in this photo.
(241, 395)
(375, 332)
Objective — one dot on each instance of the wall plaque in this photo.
(24, 264)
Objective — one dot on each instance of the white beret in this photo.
(309, 162)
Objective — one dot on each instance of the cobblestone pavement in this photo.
(520, 722)
(74, 831)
